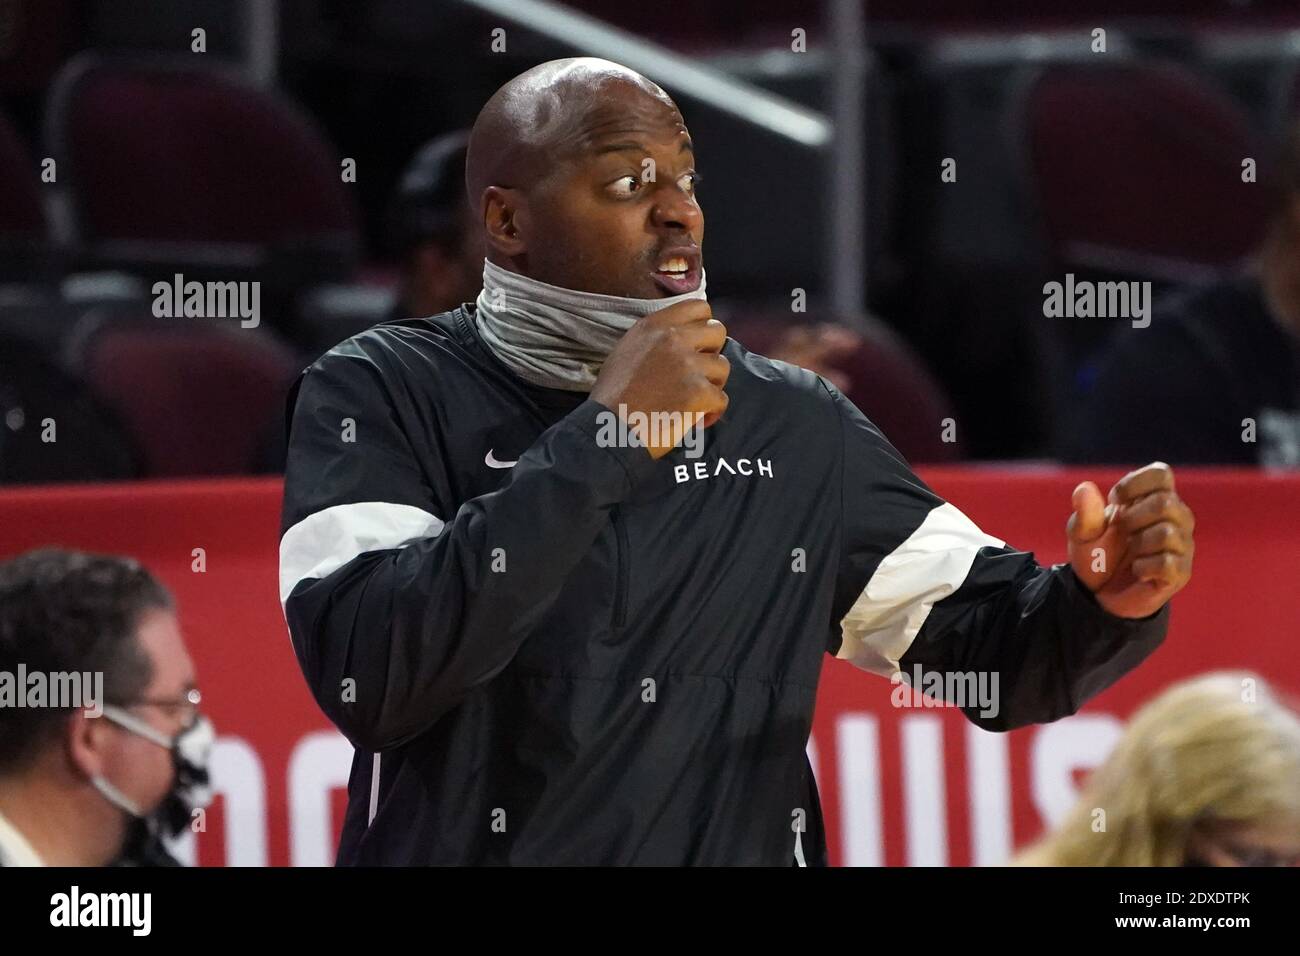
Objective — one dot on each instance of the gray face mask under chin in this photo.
(190, 791)
(554, 337)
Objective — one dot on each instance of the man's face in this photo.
(140, 768)
(618, 214)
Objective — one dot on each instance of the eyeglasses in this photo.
(188, 705)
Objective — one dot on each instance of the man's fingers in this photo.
(1089, 518)
(1156, 476)
(714, 367)
(683, 313)
(1154, 508)
(706, 336)
(715, 404)
(1158, 538)
(1164, 569)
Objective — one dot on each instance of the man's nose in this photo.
(674, 208)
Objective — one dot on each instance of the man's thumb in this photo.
(1089, 518)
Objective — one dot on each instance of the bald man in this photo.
(563, 564)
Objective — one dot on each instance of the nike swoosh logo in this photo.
(492, 462)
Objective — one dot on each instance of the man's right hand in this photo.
(670, 361)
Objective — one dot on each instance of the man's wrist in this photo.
(1089, 597)
(601, 425)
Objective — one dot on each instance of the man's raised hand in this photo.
(1133, 550)
(669, 361)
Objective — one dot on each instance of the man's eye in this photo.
(689, 182)
(625, 186)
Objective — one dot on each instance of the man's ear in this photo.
(501, 214)
(85, 739)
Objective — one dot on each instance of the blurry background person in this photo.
(1215, 379)
(439, 244)
(83, 790)
(879, 372)
(1207, 774)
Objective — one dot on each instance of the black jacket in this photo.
(590, 656)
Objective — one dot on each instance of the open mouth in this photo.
(678, 271)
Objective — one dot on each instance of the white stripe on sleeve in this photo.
(930, 565)
(327, 540)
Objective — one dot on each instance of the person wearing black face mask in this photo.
(107, 778)
(189, 750)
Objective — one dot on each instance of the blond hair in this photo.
(1216, 749)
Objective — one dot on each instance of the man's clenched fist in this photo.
(668, 362)
(1134, 550)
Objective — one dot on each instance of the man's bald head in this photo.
(581, 172)
(543, 114)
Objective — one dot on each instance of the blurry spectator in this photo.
(1207, 774)
(36, 393)
(878, 372)
(103, 778)
(821, 348)
(1215, 379)
(434, 231)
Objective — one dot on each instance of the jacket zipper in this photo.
(623, 556)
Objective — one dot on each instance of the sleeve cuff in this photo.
(591, 418)
(1088, 604)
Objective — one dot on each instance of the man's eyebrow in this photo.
(632, 146)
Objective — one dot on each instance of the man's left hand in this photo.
(1135, 552)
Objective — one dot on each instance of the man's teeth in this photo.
(673, 265)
